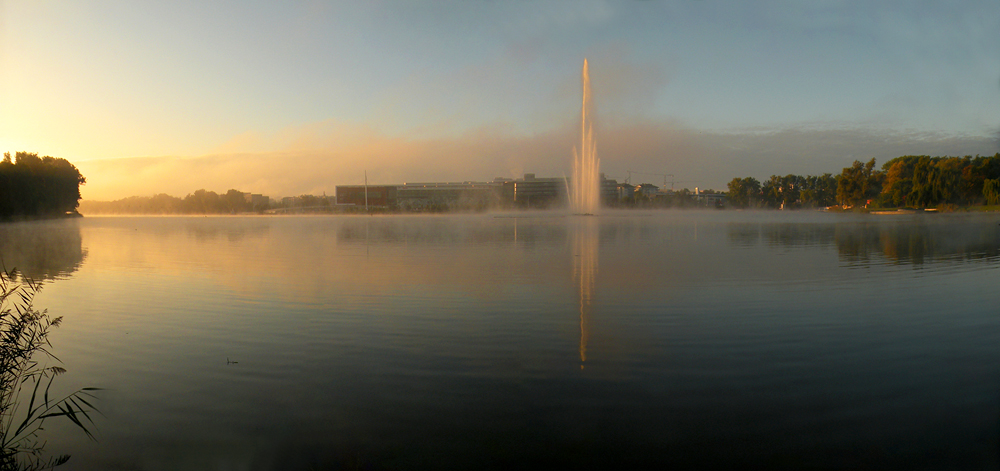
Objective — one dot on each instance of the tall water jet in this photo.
(585, 185)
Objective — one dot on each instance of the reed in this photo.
(26, 379)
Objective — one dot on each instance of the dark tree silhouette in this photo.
(33, 186)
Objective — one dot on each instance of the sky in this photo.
(289, 98)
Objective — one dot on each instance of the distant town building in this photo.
(625, 191)
(710, 199)
(648, 190)
(609, 191)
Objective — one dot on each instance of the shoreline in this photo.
(47, 217)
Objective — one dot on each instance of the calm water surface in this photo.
(699, 340)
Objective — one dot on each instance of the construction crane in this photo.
(672, 181)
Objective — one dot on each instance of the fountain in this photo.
(585, 199)
(585, 184)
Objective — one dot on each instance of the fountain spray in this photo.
(585, 188)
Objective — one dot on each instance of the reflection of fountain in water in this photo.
(585, 188)
(585, 274)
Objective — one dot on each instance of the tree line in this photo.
(33, 186)
(907, 181)
(789, 191)
(923, 181)
(199, 202)
(640, 198)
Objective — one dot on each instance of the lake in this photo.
(782, 340)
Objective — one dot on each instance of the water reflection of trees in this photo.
(42, 250)
(785, 234)
(907, 241)
(232, 232)
(201, 229)
(920, 243)
(524, 231)
(450, 231)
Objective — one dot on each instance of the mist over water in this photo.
(495, 341)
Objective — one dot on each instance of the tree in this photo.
(927, 181)
(770, 192)
(312, 201)
(743, 192)
(858, 183)
(235, 202)
(818, 191)
(898, 183)
(681, 198)
(736, 194)
(991, 191)
(791, 189)
(38, 186)
(204, 202)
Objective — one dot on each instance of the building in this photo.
(609, 191)
(448, 196)
(527, 192)
(378, 196)
(648, 190)
(712, 199)
(538, 192)
(625, 191)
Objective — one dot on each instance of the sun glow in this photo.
(7, 145)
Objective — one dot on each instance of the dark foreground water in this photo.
(697, 340)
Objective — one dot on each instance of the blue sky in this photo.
(469, 90)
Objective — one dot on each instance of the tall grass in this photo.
(26, 378)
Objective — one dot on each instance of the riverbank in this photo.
(46, 217)
(945, 208)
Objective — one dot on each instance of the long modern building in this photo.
(534, 192)
(375, 196)
(448, 196)
(527, 192)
